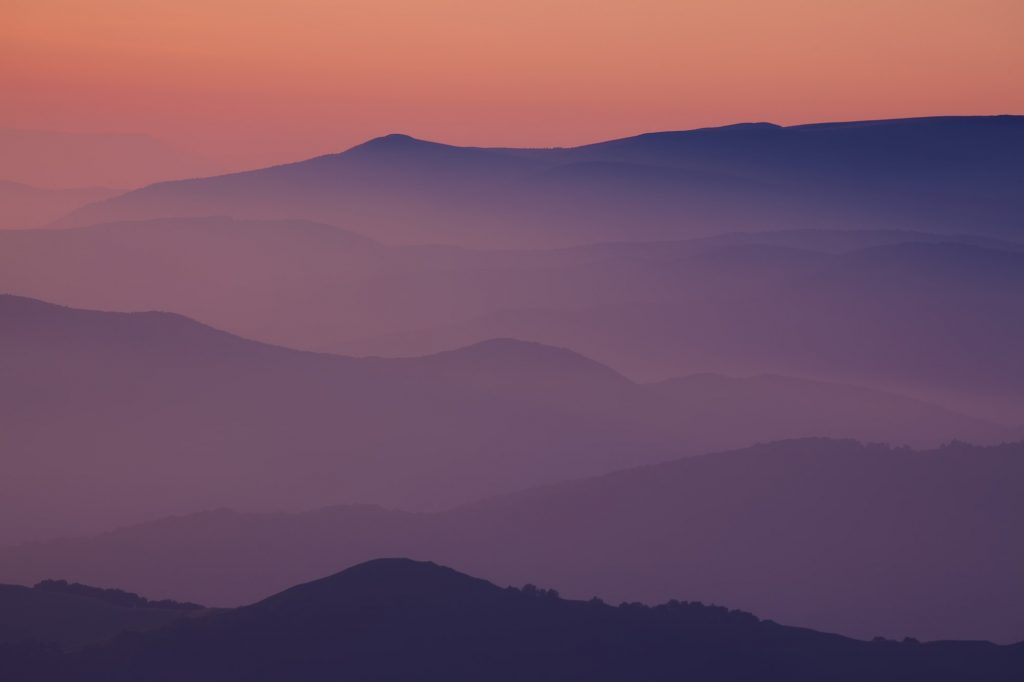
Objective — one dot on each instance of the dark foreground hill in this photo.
(832, 535)
(395, 619)
(72, 616)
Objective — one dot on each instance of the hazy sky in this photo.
(254, 81)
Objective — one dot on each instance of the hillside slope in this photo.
(834, 535)
(396, 619)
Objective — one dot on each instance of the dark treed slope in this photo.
(842, 537)
(112, 595)
(395, 619)
(73, 619)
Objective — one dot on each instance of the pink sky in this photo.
(249, 82)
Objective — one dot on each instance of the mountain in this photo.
(935, 320)
(256, 278)
(947, 174)
(74, 619)
(395, 619)
(911, 312)
(46, 158)
(153, 413)
(129, 416)
(833, 535)
(24, 206)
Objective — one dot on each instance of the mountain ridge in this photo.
(651, 310)
(803, 516)
(896, 173)
(399, 619)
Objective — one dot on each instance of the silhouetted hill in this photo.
(23, 206)
(124, 417)
(949, 174)
(834, 535)
(404, 154)
(113, 596)
(71, 620)
(395, 619)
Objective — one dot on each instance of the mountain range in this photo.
(931, 315)
(829, 534)
(936, 174)
(395, 619)
(124, 417)
(759, 366)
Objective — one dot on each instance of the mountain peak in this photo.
(750, 125)
(515, 359)
(395, 138)
(393, 572)
(393, 579)
(398, 141)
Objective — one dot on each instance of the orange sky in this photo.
(253, 81)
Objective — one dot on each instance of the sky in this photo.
(251, 82)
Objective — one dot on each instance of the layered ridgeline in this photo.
(932, 315)
(24, 206)
(833, 535)
(395, 619)
(126, 417)
(945, 174)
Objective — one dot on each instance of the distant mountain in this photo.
(834, 535)
(830, 408)
(124, 417)
(937, 320)
(395, 619)
(71, 620)
(312, 286)
(933, 315)
(57, 159)
(256, 278)
(948, 174)
(23, 206)
(531, 366)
